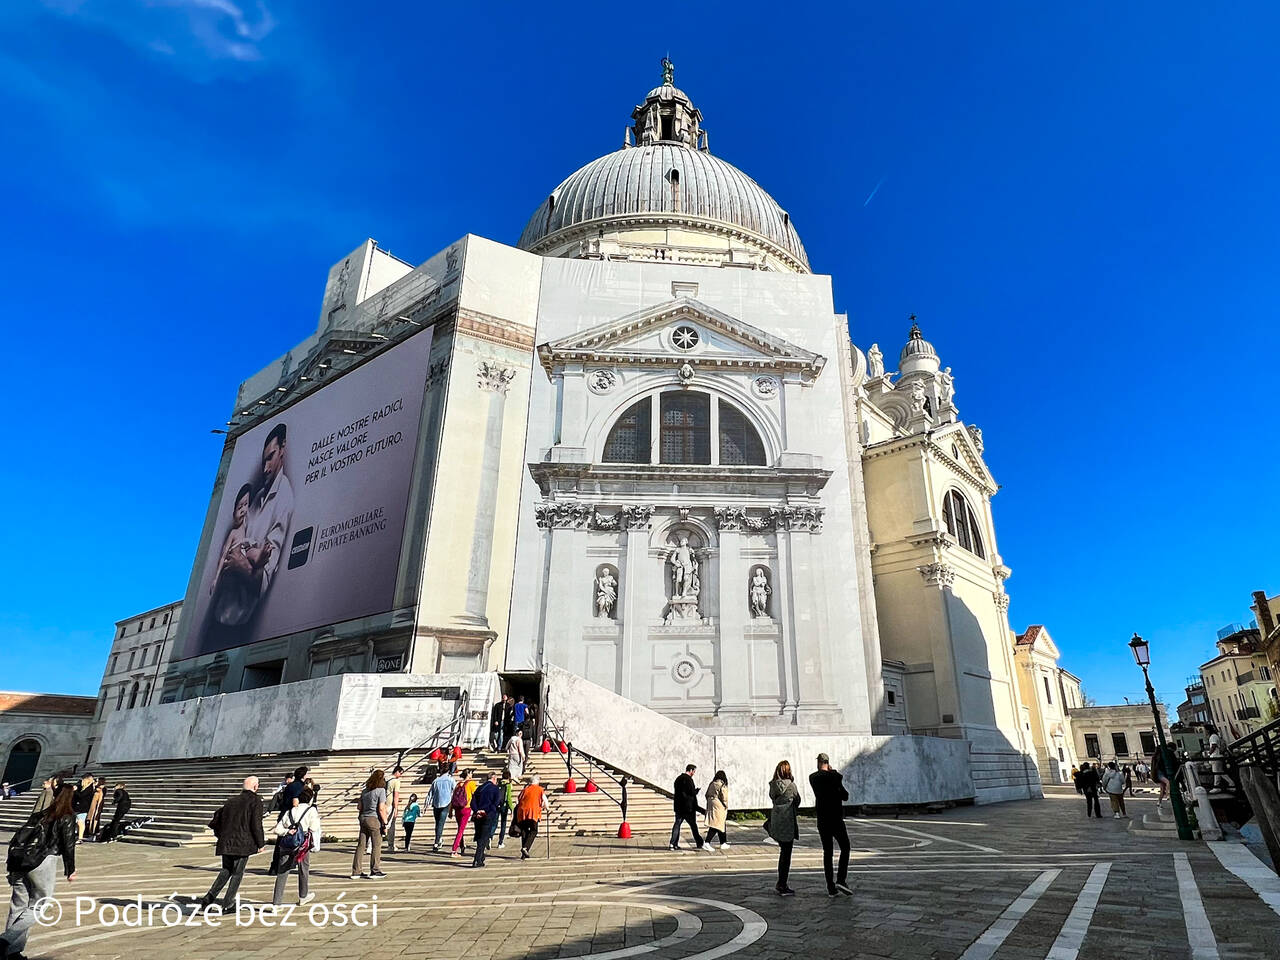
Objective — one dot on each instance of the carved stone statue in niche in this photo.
(758, 594)
(606, 593)
(686, 583)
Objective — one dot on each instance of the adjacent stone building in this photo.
(41, 734)
(1048, 694)
(1238, 682)
(1124, 733)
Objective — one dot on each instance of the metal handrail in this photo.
(442, 734)
(594, 765)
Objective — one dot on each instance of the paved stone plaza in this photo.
(1014, 881)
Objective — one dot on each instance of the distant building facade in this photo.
(41, 734)
(1049, 693)
(1238, 682)
(1123, 733)
(134, 672)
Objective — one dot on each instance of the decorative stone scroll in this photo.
(803, 519)
(938, 575)
(1002, 599)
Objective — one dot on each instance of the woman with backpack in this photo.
(33, 867)
(297, 835)
(461, 804)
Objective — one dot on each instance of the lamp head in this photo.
(1141, 651)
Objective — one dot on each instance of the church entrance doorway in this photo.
(20, 767)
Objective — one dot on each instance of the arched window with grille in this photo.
(629, 440)
(740, 444)
(962, 523)
(692, 428)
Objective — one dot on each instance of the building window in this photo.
(684, 337)
(165, 620)
(892, 698)
(115, 662)
(629, 440)
(1048, 695)
(686, 427)
(1119, 745)
(131, 653)
(1091, 745)
(120, 697)
(962, 523)
(1061, 755)
(740, 445)
(153, 623)
(1148, 742)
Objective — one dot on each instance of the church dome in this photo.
(918, 354)
(668, 181)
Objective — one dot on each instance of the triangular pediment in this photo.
(965, 454)
(645, 338)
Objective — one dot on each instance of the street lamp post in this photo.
(1142, 656)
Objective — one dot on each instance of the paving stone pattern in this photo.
(926, 888)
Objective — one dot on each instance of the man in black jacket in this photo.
(1088, 782)
(686, 807)
(829, 796)
(238, 826)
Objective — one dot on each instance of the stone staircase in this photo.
(1156, 825)
(181, 795)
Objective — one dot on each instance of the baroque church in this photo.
(656, 476)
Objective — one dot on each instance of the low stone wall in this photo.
(347, 712)
(655, 749)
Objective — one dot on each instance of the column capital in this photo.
(494, 376)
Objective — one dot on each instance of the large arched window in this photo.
(629, 441)
(691, 429)
(962, 523)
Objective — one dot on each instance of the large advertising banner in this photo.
(309, 525)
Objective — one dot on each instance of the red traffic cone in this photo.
(624, 831)
(562, 747)
(571, 786)
(546, 746)
(591, 786)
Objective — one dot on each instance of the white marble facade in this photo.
(717, 590)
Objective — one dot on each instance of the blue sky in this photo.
(1080, 204)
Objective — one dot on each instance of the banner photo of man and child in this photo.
(309, 525)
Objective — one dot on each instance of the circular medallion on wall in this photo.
(765, 387)
(684, 670)
(602, 380)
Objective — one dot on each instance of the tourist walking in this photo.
(685, 804)
(120, 804)
(508, 720)
(484, 811)
(45, 800)
(495, 723)
(32, 866)
(1075, 777)
(461, 803)
(530, 807)
(829, 795)
(238, 826)
(1113, 784)
(718, 808)
(516, 756)
(297, 837)
(373, 813)
(1128, 780)
(95, 808)
(507, 786)
(439, 797)
(1163, 767)
(394, 802)
(782, 824)
(1088, 780)
(81, 803)
(411, 814)
(1218, 764)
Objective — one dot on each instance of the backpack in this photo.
(34, 841)
(294, 841)
(459, 801)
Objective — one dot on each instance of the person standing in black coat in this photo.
(121, 802)
(686, 807)
(238, 827)
(1088, 781)
(829, 796)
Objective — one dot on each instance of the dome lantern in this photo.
(918, 356)
(667, 116)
